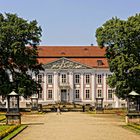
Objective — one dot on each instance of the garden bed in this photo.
(6, 130)
(2, 117)
(133, 127)
(15, 132)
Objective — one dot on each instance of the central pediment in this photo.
(64, 63)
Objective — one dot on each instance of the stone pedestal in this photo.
(132, 118)
(13, 118)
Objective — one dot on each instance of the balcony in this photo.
(64, 85)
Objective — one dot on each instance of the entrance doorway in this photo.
(64, 95)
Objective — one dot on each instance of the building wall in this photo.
(95, 87)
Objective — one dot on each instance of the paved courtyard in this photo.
(75, 126)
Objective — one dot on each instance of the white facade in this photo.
(68, 81)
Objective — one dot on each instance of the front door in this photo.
(64, 96)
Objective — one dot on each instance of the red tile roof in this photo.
(87, 55)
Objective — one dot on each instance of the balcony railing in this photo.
(66, 84)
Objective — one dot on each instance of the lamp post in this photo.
(133, 107)
(13, 115)
(133, 102)
(34, 101)
(99, 104)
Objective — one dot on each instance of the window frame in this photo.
(99, 62)
(63, 79)
(77, 79)
(87, 94)
(99, 94)
(40, 78)
(49, 79)
(110, 94)
(49, 93)
(87, 78)
(77, 94)
(99, 79)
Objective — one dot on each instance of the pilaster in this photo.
(82, 87)
(71, 91)
(55, 86)
(116, 101)
(104, 87)
(93, 87)
(45, 87)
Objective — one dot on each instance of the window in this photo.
(123, 105)
(110, 94)
(87, 79)
(99, 79)
(50, 78)
(109, 75)
(99, 93)
(77, 91)
(40, 94)
(77, 79)
(40, 78)
(87, 93)
(99, 62)
(109, 105)
(49, 94)
(64, 80)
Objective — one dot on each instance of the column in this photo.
(45, 86)
(82, 87)
(116, 101)
(55, 86)
(104, 88)
(93, 87)
(71, 91)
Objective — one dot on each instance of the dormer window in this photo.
(99, 62)
(63, 53)
(86, 49)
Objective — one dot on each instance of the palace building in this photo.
(75, 74)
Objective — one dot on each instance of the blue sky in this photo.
(70, 22)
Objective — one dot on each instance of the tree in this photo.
(18, 54)
(121, 38)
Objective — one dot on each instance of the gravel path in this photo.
(75, 126)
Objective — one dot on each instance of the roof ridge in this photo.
(68, 46)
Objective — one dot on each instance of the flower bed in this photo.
(2, 117)
(6, 129)
(135, 126)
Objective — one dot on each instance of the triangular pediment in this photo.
(64, 63)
